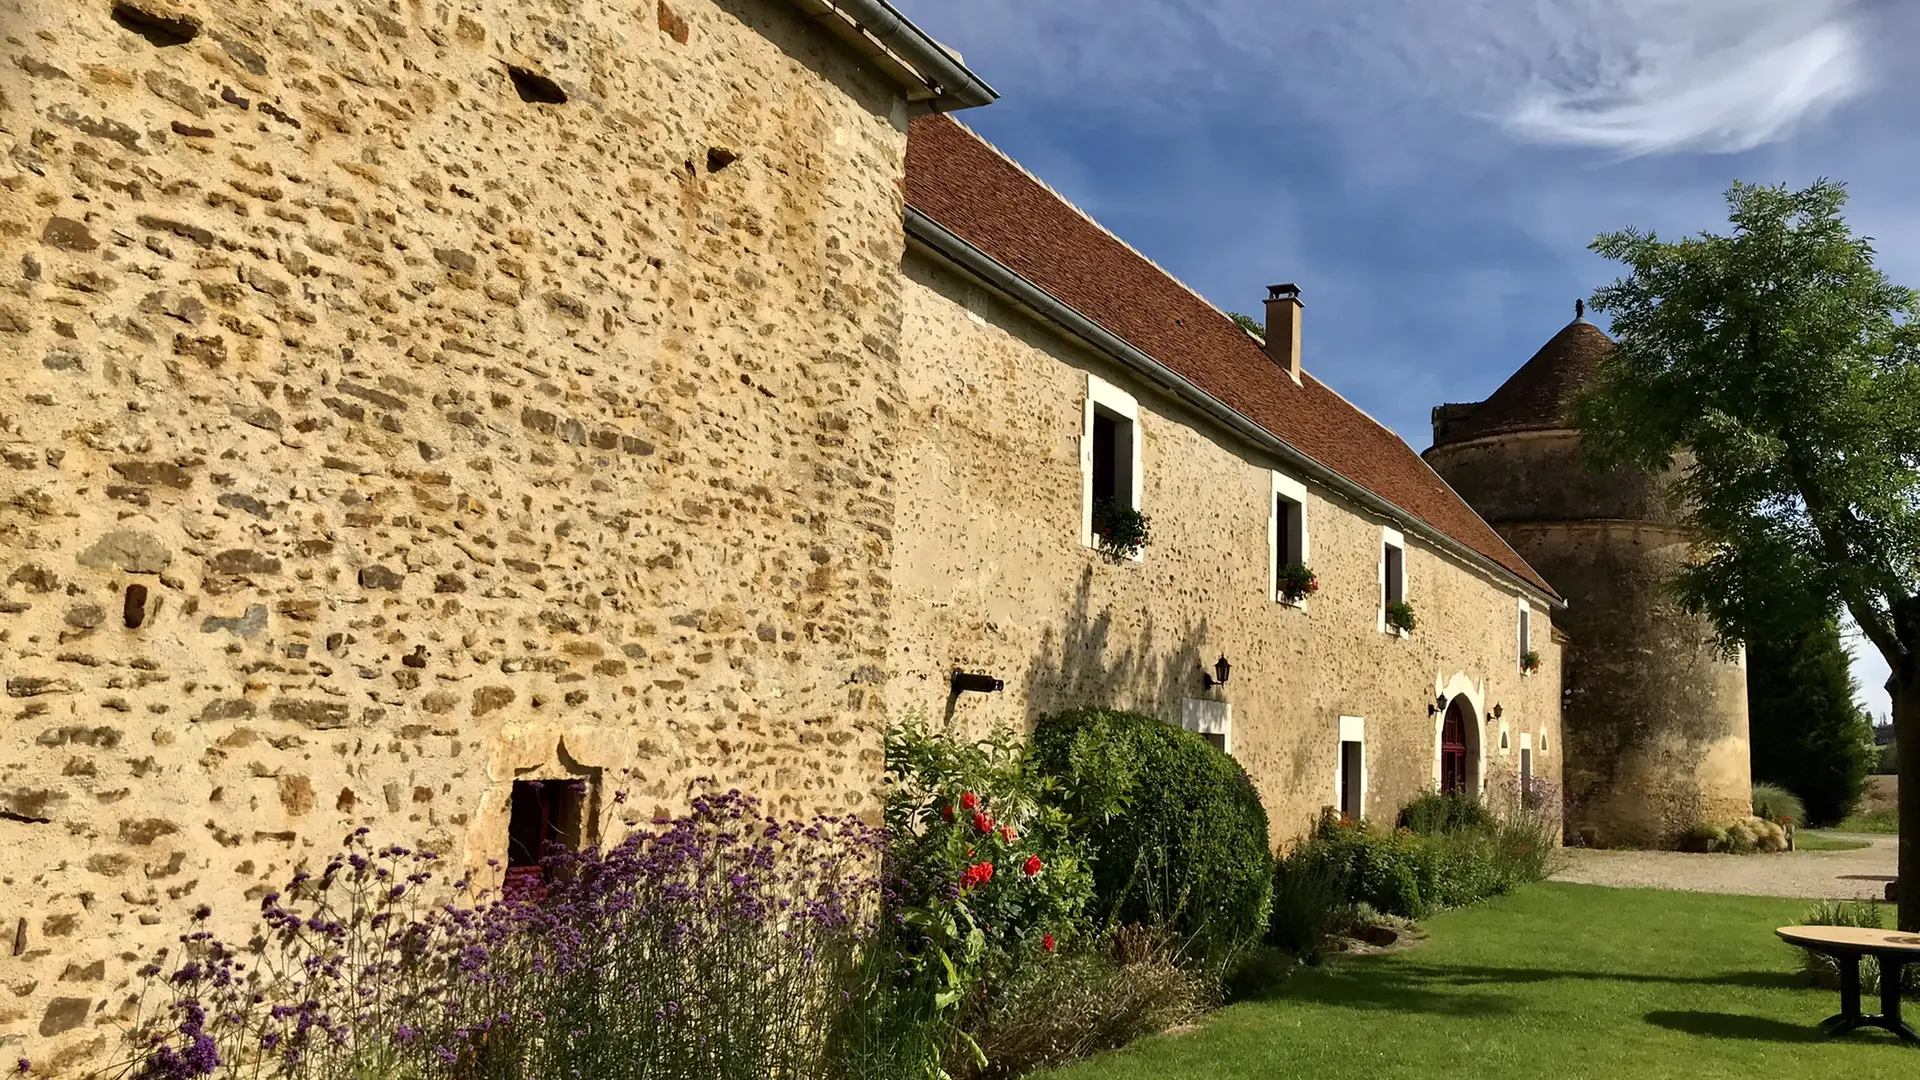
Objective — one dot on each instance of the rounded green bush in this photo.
(1177, 832)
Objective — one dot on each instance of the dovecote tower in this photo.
(1654, 718)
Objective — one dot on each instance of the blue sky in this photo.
(1431, 173)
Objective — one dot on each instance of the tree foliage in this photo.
(1775, 367)
(1809, 734)
(1248, 323)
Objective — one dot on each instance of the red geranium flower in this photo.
(1046, 942)
(968, 800)
(1007, 834)
(946, 812)
(977, 875)
(1033, 865)
(982, 822)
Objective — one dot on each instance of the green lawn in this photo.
(1559, 980)
(1807, 840)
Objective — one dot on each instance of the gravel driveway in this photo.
(1857, 875)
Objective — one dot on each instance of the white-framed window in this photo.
(1286, 532)
(1109, 453)
(1211, 720)
(1393, 574)
(1525, 635)
(1350, 769)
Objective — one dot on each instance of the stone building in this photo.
(1655, 715)
(399, 401)
(1027, 328)
(403, 402)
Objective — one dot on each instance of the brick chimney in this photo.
(1283, 327)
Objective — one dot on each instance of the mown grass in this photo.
(1559, 980)
(1807, 840)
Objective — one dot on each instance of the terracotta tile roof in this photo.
(969, 188)
(1533, 398)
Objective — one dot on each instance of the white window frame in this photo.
(1204, 716)
(1105, 395)
(1352, 729)
(1284, 487)
(1389, 538)
(1524, 635)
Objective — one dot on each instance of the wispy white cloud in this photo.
(1634, 77)
(1712, 75)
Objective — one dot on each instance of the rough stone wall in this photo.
(377, 429)
(1656, 717)
(990, 576)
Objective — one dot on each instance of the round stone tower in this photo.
(1654, 719)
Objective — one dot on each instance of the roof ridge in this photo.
(1095, 222)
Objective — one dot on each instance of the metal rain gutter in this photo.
(953, 86)
(940, 240)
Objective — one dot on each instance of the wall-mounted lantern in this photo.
(1221, 669)
(1439, 702)
(1496, 711)
(966, 681)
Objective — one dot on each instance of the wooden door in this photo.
(1453, 751)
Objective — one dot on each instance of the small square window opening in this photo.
(543, 814)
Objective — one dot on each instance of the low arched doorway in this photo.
(1456, 753)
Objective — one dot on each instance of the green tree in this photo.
(1809, 734)
(1248, 323)
(1779, 369)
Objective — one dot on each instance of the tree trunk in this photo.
(1905, 690)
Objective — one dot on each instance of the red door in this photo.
(1453, 751)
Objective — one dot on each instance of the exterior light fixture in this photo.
(1496, 711)
(1439, 702)
(965, 681)
(1221, 669)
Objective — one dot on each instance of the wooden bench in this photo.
(1847, 944)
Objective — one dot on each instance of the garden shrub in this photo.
(1309, 898)
(1824, 971)
(1176, 832)
(1409, 874)
(1432, 812)
(1119, 988)
(983, 879)
(1775, 803)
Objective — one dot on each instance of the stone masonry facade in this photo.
(404, 398)
(379, 428)
(991, 576)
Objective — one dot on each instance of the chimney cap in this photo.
(1288, 291)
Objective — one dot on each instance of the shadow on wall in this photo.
(1088, 661)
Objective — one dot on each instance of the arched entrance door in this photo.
(1454, 768)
